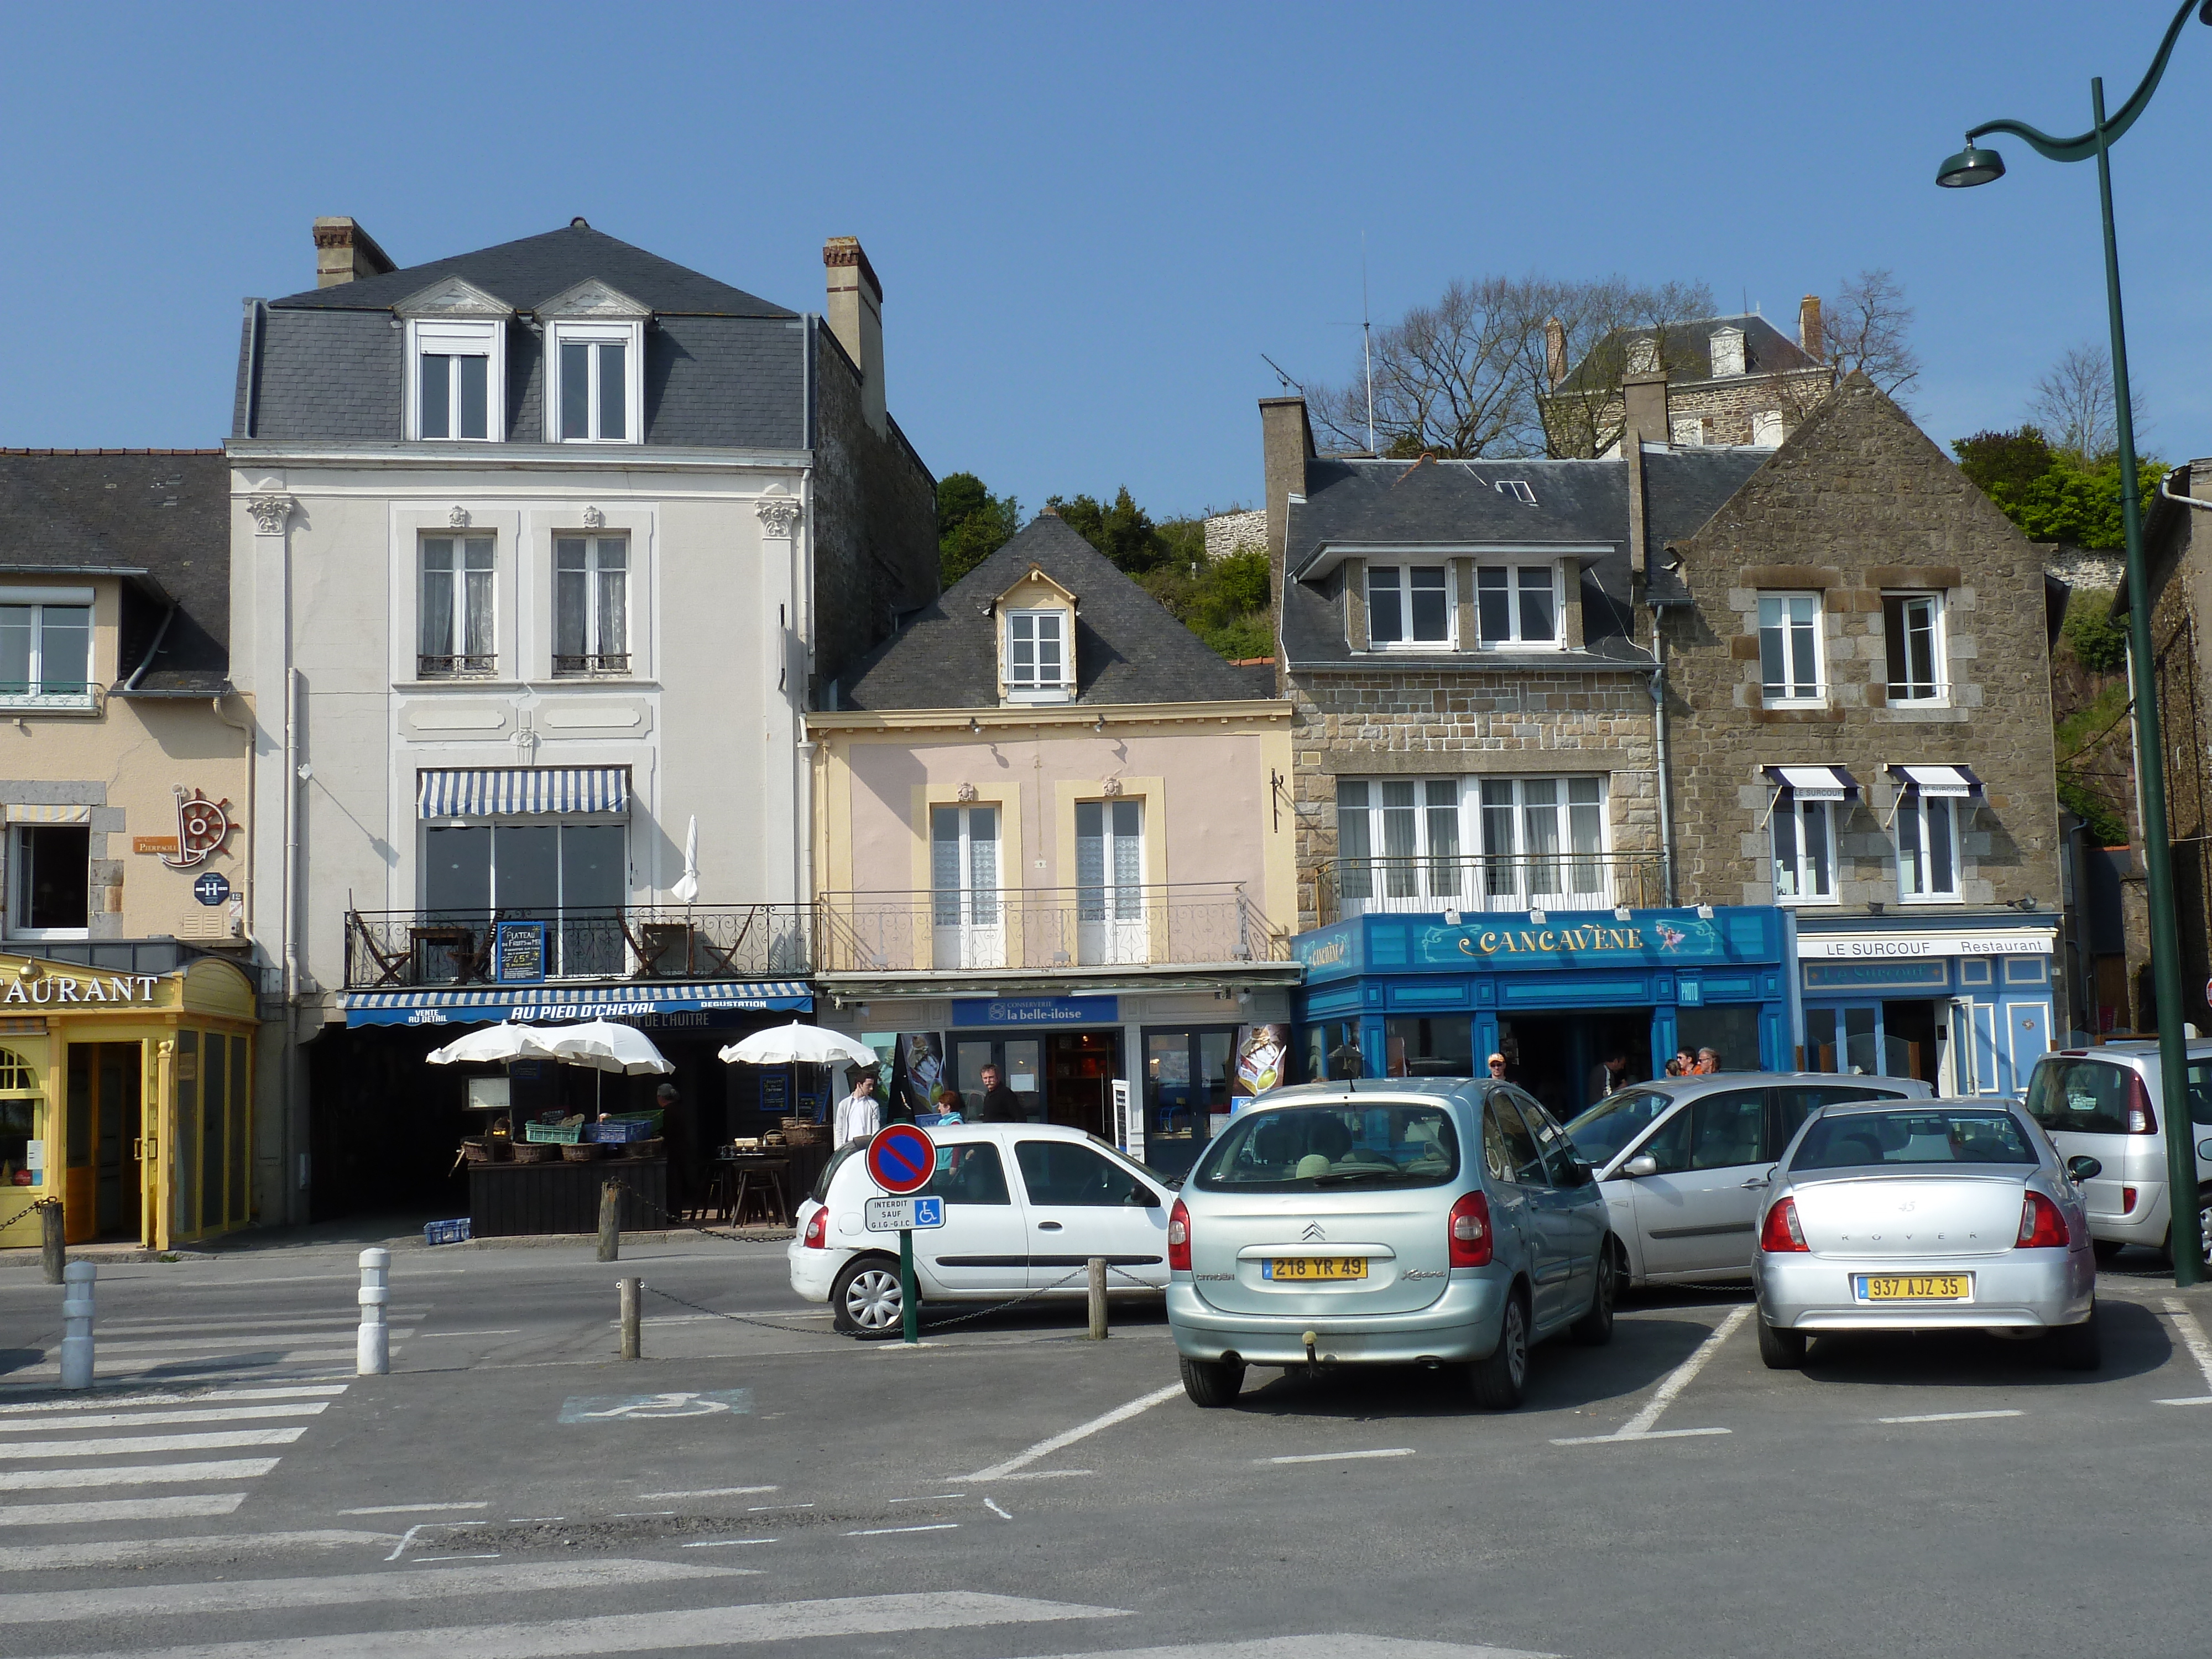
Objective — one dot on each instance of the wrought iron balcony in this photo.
(470, 666)
(1044, 928)
(1345, 888)
(391, 949)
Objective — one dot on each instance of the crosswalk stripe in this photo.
(1317, 1647)
(210, 1342)
(128, 1509)
(133, 1445)
(198, 1396)
(162, 1552)
(149, 1327)
(642, 1632)
(260, 1594)
(137, 1474)
(147, 1420)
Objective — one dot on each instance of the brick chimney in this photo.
(856, 318)
(1555, 352)
(344, 253)
(1810, 335)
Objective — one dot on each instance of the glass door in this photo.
(1186, 1084)
(1109, 874)
(967, 917)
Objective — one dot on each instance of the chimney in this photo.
(344, 253)
(856, 318)
(1286, 446)
(1809, 333)
(1644, 399)
(1555, 352)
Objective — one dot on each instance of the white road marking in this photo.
(161, 1551)
(1948, 1417)
(137, 1474)
(1339, 1457)
(710, 1491)
(759, 1509)
(147, 1420)
(480, 1555)
(1637, 1439)
(885, 1532)
(724, 1543)
(638, 1514)
(932, 1498)
(169, 1325)
(1319, 1647)
(426, 1336)
(1638, 1427)
(132, 1444)
(991, 1505)
(2192, 1334)
(415, 1509)
(1048, 1474)
(130, 1508)
(212, 1347)
(1068, 1438)
(2193, 1400)
(196, 1396)
(532, 1520)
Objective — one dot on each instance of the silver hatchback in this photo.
(2109, 1103)
(1402, 1220)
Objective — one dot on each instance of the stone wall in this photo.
(2181, 582)
(1232, 532)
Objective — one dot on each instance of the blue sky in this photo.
(1091, 222)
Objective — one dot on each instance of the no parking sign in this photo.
(902, 1159)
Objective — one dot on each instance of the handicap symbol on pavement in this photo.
(655, 1408)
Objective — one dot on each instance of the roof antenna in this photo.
(1367, 343)
(1289, 385)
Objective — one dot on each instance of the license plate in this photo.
(1314, 1266)
(1916, 1287)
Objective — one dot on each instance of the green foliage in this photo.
(1225, 602)
(2094, 720)
(2051, 495)
(1123, 531)
(2099, 643)
(2107, 828)
(972, 524)
(2016, 459)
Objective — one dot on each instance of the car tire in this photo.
(1595, 1329)
(1780, 1351)
(865, 1301)
(1499, 1381)
(2078, 1347)
(1212, 1383)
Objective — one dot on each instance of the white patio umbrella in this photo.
(492, 1042)
(604, 1045)
(687, 884)
(799, 1045)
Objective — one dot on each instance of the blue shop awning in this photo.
(561, 1004)
(519, 791)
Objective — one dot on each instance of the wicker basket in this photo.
(478, 1150)
(587, 1154)
(803, 1134)
(527, 1153)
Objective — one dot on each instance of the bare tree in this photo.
(1606, 330)
(2073, 404)
(1868, 327)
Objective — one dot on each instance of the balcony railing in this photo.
(1044, 928)
(1346, 888)
(598, 662)
(469, 665)
(392, 949)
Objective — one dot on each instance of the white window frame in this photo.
(457, 614)
(1938, 694)
(1403, 575)
(1795, 861)
(428, 337)
(968, 918)
(38, 602)
(1475, 844)
(1517, 585)
(18, 873)
(1036, 689)
(1926, 827)
(630, 336)
(1109, 876)
(594, 661)
(1794, 697)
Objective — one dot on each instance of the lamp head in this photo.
(1973, 167)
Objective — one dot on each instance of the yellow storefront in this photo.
(128, 1096)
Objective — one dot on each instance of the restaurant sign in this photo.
(1573, 941)
(1912, 947)
(49, 990)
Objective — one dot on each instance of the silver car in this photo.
(1400, 1220)
(1683, 1162)
(2109, 1103)
(1926, 1215)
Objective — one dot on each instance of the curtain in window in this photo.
(1442, 813)
(437, 634)
(1354, 849)
(476, 635)
(1401, 878)
(1499, 880)
(572, 597)
(983, 864)
(613, 583)
(1539, 814)
(945, 865)
(1586, 833)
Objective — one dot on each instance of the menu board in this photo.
(520, 957)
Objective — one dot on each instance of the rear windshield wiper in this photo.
(1341, 1177)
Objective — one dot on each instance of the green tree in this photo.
(972, 524)
(2052, 494)
(1225, 602)
(1122, 531)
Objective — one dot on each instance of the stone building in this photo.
(1707, 381)
(1859, 722)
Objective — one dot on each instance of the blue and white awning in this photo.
(562, 1004)
(521, 791)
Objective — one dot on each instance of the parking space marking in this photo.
(1069, 1436)
(709, 1492)
(2192, 1334)
(883, 1532)
(414, 1509)
(1638, 1427)
(1948, 1416)
(1339, 1457)
(991, 1505)
(1637, 1439)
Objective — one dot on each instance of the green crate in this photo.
(651, 1119)
(553, 1135)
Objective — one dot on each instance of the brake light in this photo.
(2140, 1121)
(2042, 1225)
(817, 1231)
(1470, 1231)
(1179, 1238)
(1779, 1233)
(2127, 1200)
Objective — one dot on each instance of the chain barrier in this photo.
(673, 1219)
(35, 1204)
(741, 1319)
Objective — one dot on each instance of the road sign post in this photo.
(909, 1315)
(902, 1159)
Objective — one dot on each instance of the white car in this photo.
(1026, 1206)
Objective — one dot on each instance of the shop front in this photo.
(1559, 995)
(128, 1096)
(1962, 1003)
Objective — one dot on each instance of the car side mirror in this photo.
(2084, 1168)
(1642, 1165)
(1573, 1172)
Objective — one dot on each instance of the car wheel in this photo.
(1595, 1329)
(2078, 1347)
(2109, 1248)
(1211, 1383)
(1499, 1380)
(865, 1301)
(1781, 1351)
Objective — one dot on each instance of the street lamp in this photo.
(1972, 166)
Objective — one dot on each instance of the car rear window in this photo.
(2084, 1096)
(1600, 1133)
(1849, 1140)
(821, 1193)
(1297, 1149)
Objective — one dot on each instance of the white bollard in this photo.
(76, 1325)
(374, 1354)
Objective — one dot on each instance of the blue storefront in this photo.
(1435, 994)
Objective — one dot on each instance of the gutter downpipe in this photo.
(802, 616)
(1659, 746)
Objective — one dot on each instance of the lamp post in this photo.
(1972, 166)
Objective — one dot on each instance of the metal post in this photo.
(76, 1325)
(609, 1220)
(909, 1314)
(633, 1346)
(2150, 760)
(1097, 1298)
(53, 1252)
(373, 1347)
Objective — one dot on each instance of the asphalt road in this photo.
(1012, 1489)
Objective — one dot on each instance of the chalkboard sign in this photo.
(520, 956)
(776, 1093)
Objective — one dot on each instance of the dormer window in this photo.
(594, 366)
(1728, 352)
(1036, 655)
(456, 363)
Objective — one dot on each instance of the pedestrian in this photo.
(1685, 1062)
(1497, 1068)
(859, 1115)
(1709, 1061)
(1608, 1074)
(1674, 1066)
(948, 1106)
(998, 1104)
(676, 1138)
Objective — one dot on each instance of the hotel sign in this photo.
(1913, 947)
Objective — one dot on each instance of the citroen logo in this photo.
(1313, 1234)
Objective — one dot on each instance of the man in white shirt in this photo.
(859, 1115)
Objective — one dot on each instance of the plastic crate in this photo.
(447, 1233)
(651, 1119)
(618, 1131)
(553, 1135)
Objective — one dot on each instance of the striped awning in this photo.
(1816, 783)
(521, 791)
(1939, 782)
(645, 1004)
(49, 814)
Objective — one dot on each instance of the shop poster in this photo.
(1263, 1053)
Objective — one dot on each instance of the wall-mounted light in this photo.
(1536, 918)
(1621, 913)
(1705, 913)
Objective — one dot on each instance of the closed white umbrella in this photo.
(604, 1045)
(799, 1045)
(507, 1041)
(687, 884)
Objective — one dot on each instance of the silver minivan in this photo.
(1683, 1161)
(2109, 1103)
(1386, 1221)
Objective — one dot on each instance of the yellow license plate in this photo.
(1918, 1287)
(1316, 1267)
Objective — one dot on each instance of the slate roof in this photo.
(1128, 649)
(1766, 349)
(159, 518)
(1683, 489)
